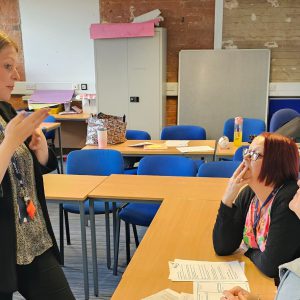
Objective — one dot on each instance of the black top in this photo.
(283, 242)
(8, 278)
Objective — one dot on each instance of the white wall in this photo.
(57, 44)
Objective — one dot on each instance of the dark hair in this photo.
(280, 161)
(6, 41)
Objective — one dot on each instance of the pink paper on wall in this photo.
(122, 30)
(51, 96)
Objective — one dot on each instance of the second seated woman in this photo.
(258, 217)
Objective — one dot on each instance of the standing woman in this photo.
(28, 253)
(259, 215)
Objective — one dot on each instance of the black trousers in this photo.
(43, 279)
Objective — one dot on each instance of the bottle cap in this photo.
(238, 120)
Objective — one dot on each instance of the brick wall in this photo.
(189, 23)
(269, 24)
(10, 24)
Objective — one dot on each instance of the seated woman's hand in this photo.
(238, 179)
(237, 293)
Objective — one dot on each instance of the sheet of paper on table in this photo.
(195, 149)
(177, 143)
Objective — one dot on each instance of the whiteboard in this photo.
(56, 40)
(215, 85)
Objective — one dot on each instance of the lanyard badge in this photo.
(26, 206)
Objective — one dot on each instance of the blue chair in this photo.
(137, 135)
(282, 116)
(142, 214)
(130, 161)
(238, 155)
(183, 132)
(218, 169)
(94, 162)
(250, 127)
(50, 135)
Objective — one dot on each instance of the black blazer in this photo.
(8, 278)
(283, 242)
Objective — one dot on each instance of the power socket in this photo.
(134, 99)
(83, 86)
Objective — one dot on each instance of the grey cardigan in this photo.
(289, 287)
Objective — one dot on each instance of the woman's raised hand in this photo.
(235, 183)
(21, 127)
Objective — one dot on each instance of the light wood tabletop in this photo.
(157, 188)
(230, 150)
(62, 188)
(70, 187)
(183, 230)
(127, 150)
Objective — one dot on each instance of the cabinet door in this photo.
(111, 76)
(144, 79)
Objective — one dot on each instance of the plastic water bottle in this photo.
(102, 137)
(238, 131)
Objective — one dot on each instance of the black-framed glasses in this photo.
(253, 155)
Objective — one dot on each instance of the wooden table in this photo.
(126, 150)
(48, 126)
(73, 129)
(62, 189)
(156, 188)
(229, 152)
(182, 228)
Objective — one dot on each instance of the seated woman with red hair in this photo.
(258, 217)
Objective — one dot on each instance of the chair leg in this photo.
(107, 228)
(127, 235)
(136, 238)
(67, 228)
(117, 242)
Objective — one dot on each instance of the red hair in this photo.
(280, 161)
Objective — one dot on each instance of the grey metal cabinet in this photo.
(131, 80)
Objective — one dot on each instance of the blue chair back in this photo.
(250, 127)
(50, 134)
(183, 132)
(137, 135)
(282, 116)
(166, 165)
(95, 162)
(218, 169)
(238, 155)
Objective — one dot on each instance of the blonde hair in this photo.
(6, 41)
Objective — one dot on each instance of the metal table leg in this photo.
(94, 248)
(60, 151)
(61, 234)
(84, 251)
